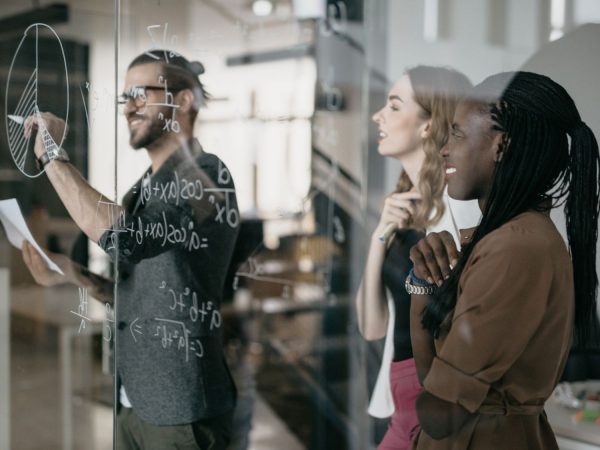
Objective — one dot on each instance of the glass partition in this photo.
(195, 273)
(56, 385)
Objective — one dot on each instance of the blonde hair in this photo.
(437, 91)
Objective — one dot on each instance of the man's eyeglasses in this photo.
(138, 95)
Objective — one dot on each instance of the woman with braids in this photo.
(413, 126)
(491, 342)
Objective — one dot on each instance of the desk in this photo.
(53, 306)
(573, 436)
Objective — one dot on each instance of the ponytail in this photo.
(581, 211)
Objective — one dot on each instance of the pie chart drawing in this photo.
(30, 79)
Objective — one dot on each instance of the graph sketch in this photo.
(21, 146)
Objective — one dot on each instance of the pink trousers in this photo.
(404, 426)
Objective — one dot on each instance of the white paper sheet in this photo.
(17, 230)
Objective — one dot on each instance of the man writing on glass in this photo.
(172, 240)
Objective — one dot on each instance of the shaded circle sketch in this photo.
(33, 85)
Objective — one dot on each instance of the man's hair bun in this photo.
(196, 68)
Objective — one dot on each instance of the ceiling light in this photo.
(262, 8)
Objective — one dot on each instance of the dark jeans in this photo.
(205, 434)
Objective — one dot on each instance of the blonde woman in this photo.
(413, 127)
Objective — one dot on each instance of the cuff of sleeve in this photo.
(114, 251)
(104, 239)
(450, 384)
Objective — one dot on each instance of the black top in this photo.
(173, 246)
(396, 266)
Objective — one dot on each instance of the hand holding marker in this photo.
(387, 232)
(48, 142)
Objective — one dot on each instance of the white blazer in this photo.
(457, 215)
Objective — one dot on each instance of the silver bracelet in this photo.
(413, 286)
(419, 290)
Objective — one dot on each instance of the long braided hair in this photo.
(539, 170)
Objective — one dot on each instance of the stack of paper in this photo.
(17, 230)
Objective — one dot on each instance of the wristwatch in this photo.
(58, 154)
(415, 285)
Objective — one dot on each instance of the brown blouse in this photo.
(509, 338)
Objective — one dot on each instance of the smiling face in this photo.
(401, 121)
(471, 153)
(145, 126)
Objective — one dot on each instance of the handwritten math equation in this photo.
(163, 232)
(178, 190)
(187, 301)
(82, 313)
(173, 334)
(175, 191)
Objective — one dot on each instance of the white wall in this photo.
(464, 43)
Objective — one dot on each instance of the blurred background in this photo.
(294, 84)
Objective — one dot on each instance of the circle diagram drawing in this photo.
(34, 85)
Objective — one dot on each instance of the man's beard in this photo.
(149, 136)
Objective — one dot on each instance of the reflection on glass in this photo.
(216, 285)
